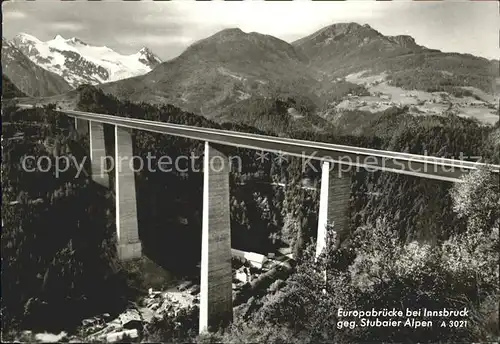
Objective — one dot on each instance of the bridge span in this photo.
(371, 159)
(216, 273)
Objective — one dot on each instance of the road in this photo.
(371, 159)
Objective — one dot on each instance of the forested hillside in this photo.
(379, 270)
(411, 242)
(281, 116)
(58, 248)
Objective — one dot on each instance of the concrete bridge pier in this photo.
(98, 154)
(216, 276)
(127, 229)
(334, 204)
(81, 126)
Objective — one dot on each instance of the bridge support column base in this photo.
(333, 210)
(127, 227)
(129, 251)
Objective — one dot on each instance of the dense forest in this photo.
(412, 242)
(436, 73)
(58, 254)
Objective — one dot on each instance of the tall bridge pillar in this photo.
(216, 275)
(333, 205)
(98, 154)
(81, 126)
(127, 229)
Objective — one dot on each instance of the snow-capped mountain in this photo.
(27, 76)
(79, 63)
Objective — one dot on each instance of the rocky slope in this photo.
(80, 63)
(9, 90)
(27, 76)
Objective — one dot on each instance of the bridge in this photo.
(216, 274)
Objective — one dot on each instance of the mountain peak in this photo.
(230, 33)
(81, 63)
(147, 57)
(75, 40)
(351, 28)
(347, 25)
(338, 31)
(233, 30)
(27, 76)
(145, 51)
(404, 41)
(24, 37)
(233, 44)
(71, 41)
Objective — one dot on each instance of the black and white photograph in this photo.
(250, 171)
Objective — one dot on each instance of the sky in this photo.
(167, 28)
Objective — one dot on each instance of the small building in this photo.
(255, 259)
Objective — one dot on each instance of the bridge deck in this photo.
(371, 159)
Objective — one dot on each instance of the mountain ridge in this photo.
(345, 48)
(339, 30)
(221, 70)
(79, 62)
(214, 73)
(324, 73)
(28, 77)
